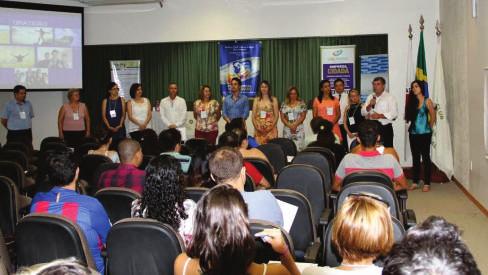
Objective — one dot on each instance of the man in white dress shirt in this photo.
(382, 107)
(343, 98)
(173, 110)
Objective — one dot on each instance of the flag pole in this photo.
(409, 59)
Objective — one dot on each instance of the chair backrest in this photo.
(142, 246)
(195, 193)
(326, 153)
(386, 193)
(89, 165)
(13, 171)
(250, 184)
(263, 167)
(287, 145)
(275, 155)
(117, 201)
(318, 161)
(308, 181)
(50, 139)
(367, 176)
(83, 149)
(42, 238)
(8, 206)
(303, 230)
(145, 161)
(331, 257)
(4, 257)
(17, 146)
(56, 146)
(264, 251)
(15, 156)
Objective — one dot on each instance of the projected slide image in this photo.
(58, 58)
(17, 57)
(67, 37)
(4, 34)
(32, 77)
(32, 35)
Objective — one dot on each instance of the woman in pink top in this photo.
(73, 120)
(327, 107)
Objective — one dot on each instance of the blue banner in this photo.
(240, 59)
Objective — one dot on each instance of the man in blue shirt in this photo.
(17, 117)
(63, 200)
(235, 104)
(226, 167)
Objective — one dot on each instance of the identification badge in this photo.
(330, 111)
(203, 114)
(262, 114)
(22, 115)
(351, 120)
(113, 114)
(76, 116)
(291, 116)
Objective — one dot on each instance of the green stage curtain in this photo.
(284, 62)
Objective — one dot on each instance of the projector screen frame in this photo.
(55, 8)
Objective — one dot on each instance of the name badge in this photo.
(330, 111)
(113, 114)
(203, 114)
(262, 114)
(22, 115)
(76, 116)
(291, 116)
(351, 120)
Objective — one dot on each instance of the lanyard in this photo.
(110, 104)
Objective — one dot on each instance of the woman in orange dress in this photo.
(265, 114)
(326, 106)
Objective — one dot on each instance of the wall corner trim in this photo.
(471, 197)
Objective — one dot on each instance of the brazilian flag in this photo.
(421, 71)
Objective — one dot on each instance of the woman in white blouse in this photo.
(138, 112)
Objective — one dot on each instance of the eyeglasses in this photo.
(371, 196)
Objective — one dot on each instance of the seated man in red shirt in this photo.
(127, 174)
(370, 158)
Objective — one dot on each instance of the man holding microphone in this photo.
(381, 106)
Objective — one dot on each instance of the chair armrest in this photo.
(312, 252)
(324, 218)
(402, 196)
(332, 201)
(409, 218)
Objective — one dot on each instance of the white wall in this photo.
(193, 20)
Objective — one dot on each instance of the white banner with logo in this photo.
(125, 73)
(339, 62)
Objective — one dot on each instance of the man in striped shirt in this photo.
(127, 174)
(63, 200)
(370, 158)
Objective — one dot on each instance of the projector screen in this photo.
(40, 49)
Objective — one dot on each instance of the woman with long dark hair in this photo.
(327, 107)
(222, 241)
(421, 114)
(113, 113)
(265, 114)
(163, 198)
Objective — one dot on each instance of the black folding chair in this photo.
(275, 155)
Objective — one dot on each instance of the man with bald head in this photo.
(127, 174)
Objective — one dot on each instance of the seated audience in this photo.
(199, 173)
(170, 144)
(223, 243)
(370, 159)
(69, 266)
(149, 142)
(63, 200)
(127, 174)
(361, 232)
(240, 123)
(163, 198)
(380, 148)
(105, 139)
(432, 247)
(226, 167)
(242, 142)
(326, 138)
(230, 139)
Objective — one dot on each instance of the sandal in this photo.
(413, 186)
(426, 188)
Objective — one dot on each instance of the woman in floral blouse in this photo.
(206, 111)
(293, 112)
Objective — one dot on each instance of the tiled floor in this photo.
(448, 201)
